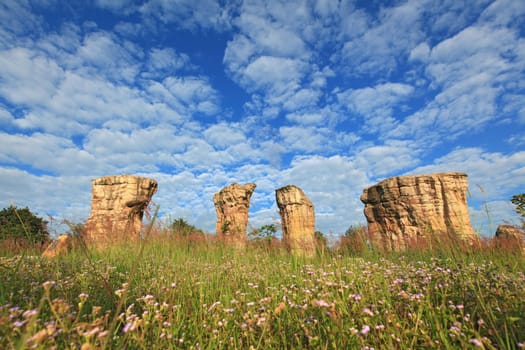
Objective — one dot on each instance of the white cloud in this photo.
(471, 72)
(195, 93)
(380, 48)
(420, 53)
(222, 135)
(271, 37)
(165, 62)
(313, 118)
(486, 218)
(272, 57)
(17, 20)
(387, 159)
(6, 118)
(28, 78)
(334, 185)
(273, 73)
(48, 153)
(100, 52)
(310, 139)
(189, 14)
(496, 173)
(376, 104)
(504, 13)
(117, 6)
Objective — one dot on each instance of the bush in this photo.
(183, 228)
(21, 225)
(519, 201)
(355, 241)
(265, 232)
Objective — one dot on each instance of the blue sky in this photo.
(332, 96)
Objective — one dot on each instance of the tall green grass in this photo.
(173, 293)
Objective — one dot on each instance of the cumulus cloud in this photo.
(472, 69)
(385, 44)
(495, 173)
(330, 96)
(28, 78)
(376, 104)
(189, 14)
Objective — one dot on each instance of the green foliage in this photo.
(207, 296)
(22, 224)
(266, 232)
(320, 238)
(355, 240)
(519, 201)
(182, 227)
(225, 226)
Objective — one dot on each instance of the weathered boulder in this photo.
(232, 204)
(406, 210)
(117, 208)
(297, 220)
(62, 245)
(510, 237)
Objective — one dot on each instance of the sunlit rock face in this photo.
(117, 208)
(297, 220)
(406, 211)
(62, 245)
(232, 204)
(510, 237)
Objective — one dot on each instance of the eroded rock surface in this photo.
(510, 237)
(232, 204)
(297, 220)
(62, 245)
(406, 210)
(117, 208)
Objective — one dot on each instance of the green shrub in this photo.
(22, 225)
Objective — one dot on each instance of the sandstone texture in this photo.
(62, 245)
(511, 237)
(117, 208)
(406, 210)
(297, 220)
(232, 204)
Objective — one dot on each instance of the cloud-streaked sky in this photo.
(332, 96)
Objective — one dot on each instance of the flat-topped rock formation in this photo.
(404, 210)
(297, 220)
(232, 204)
(117, 208)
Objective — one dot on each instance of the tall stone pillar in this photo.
(297, 220)
(117, 208)
(405, 210)
(232, 204)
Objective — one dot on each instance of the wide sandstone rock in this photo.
(297, 220)
(232, 204)
(117, 208)
(409, 210)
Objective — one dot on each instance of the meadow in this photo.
(177, 293)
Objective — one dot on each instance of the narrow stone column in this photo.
(117, 208)
(297, 220)
(232, 204)
(413, 210)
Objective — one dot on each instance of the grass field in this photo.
(174, 293)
